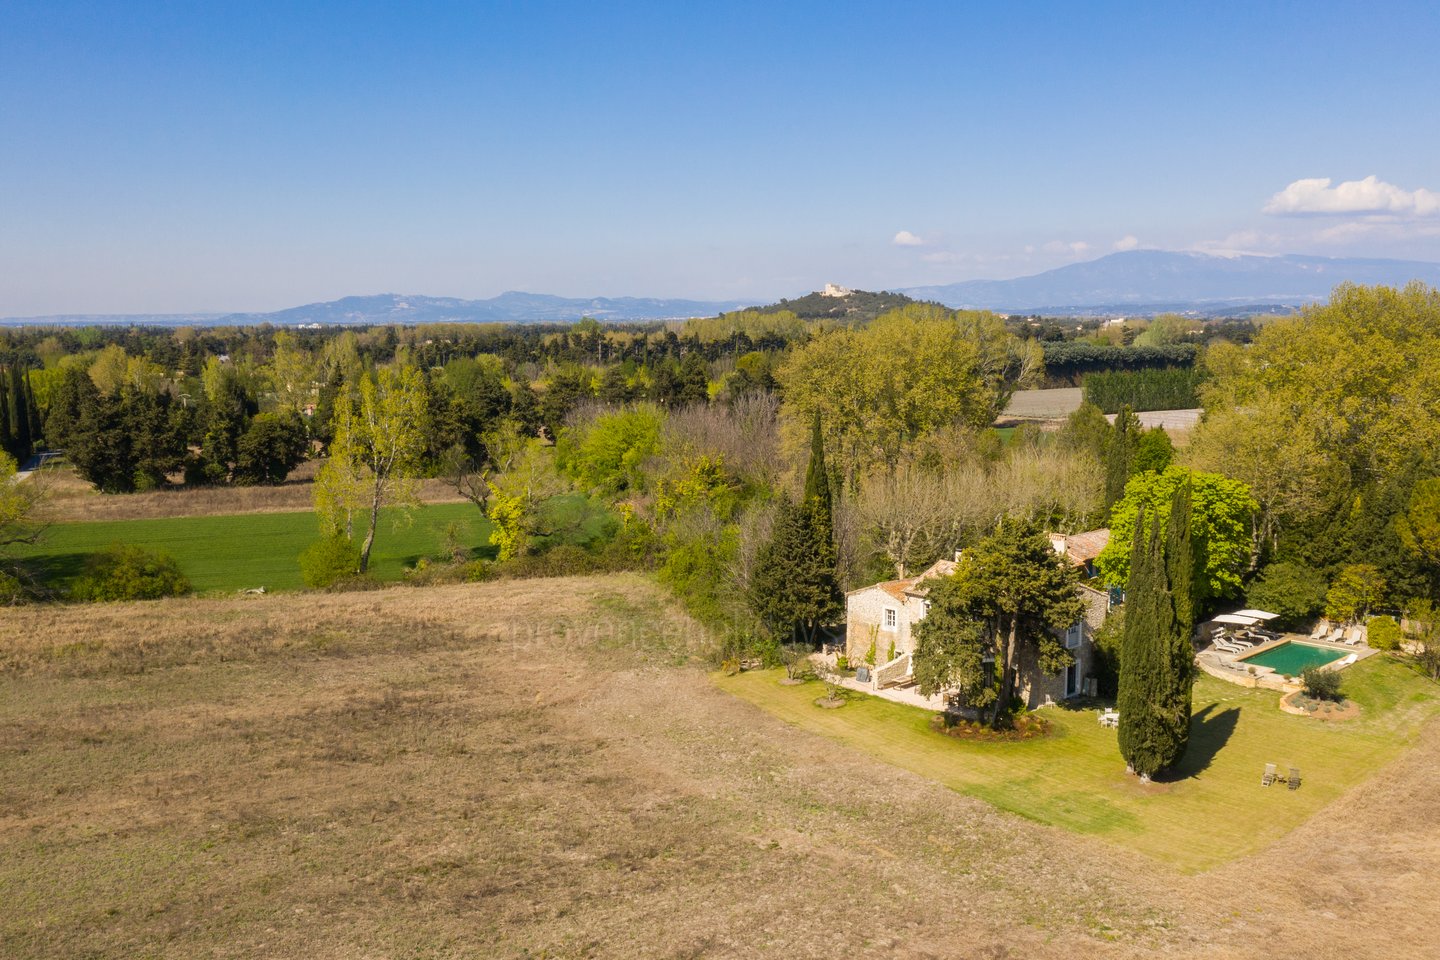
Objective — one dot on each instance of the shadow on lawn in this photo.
(56, 571)
(1209, 732)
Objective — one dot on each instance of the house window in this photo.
(892, 618)
(1072, 637)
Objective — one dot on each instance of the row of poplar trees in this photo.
(19, 415)
(1157, 662)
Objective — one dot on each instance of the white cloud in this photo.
(907, 239)
(1127, 242)
(1076, 249)
(1241, 243)
(1368, 196)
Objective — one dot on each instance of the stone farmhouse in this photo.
(883, 615)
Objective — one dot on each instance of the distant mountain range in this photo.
(392, 308)
(1134, 282)
(1155, 280)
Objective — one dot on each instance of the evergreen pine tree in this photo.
(794, 590)
(1145, 736)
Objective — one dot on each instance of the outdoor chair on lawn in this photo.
(1269, 776)
(1294, 778)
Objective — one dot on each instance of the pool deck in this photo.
(1229, 666)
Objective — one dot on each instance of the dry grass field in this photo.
(527, 769)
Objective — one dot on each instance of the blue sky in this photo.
(209, 156)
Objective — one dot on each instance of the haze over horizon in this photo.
(254, 157)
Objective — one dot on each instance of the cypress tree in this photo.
(7, 439)
(19, 415)
(1120, 455)
(1180, 583)
(36, 430)
(794, 590)
(817, 481)
(1146, 738)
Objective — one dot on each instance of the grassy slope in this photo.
(237, 552)
(1214, 812)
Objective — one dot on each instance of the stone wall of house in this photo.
(864, 619)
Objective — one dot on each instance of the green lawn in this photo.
(1213, 811)
(261, 549)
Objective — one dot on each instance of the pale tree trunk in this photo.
(374, 520)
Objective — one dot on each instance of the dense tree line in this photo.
(1068, 361)
(1165, 388)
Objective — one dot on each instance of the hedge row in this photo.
(1170, 389)
(1068, 361)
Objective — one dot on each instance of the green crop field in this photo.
(1215, 809)
(242, 551)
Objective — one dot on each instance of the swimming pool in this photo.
(1292, 659)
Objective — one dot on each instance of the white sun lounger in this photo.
(1320, 630)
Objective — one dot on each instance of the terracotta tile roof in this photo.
(940, 568)
(896, 588)
(1083, 547)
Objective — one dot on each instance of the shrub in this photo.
(477, 571)
(796, 659)
(1293, 590)
(1383, 633)
(12, 591)
(330, 561)
(1355, 589)
(1321, 684)
(130, 573)
(565, 560)
(1106, 665)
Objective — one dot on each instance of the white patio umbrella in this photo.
(1236, 619)
(1257, 614)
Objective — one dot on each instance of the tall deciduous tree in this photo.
(379, 436)
(907, 374)
(1419, 525)
(1022, 596)
(1220, 528)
